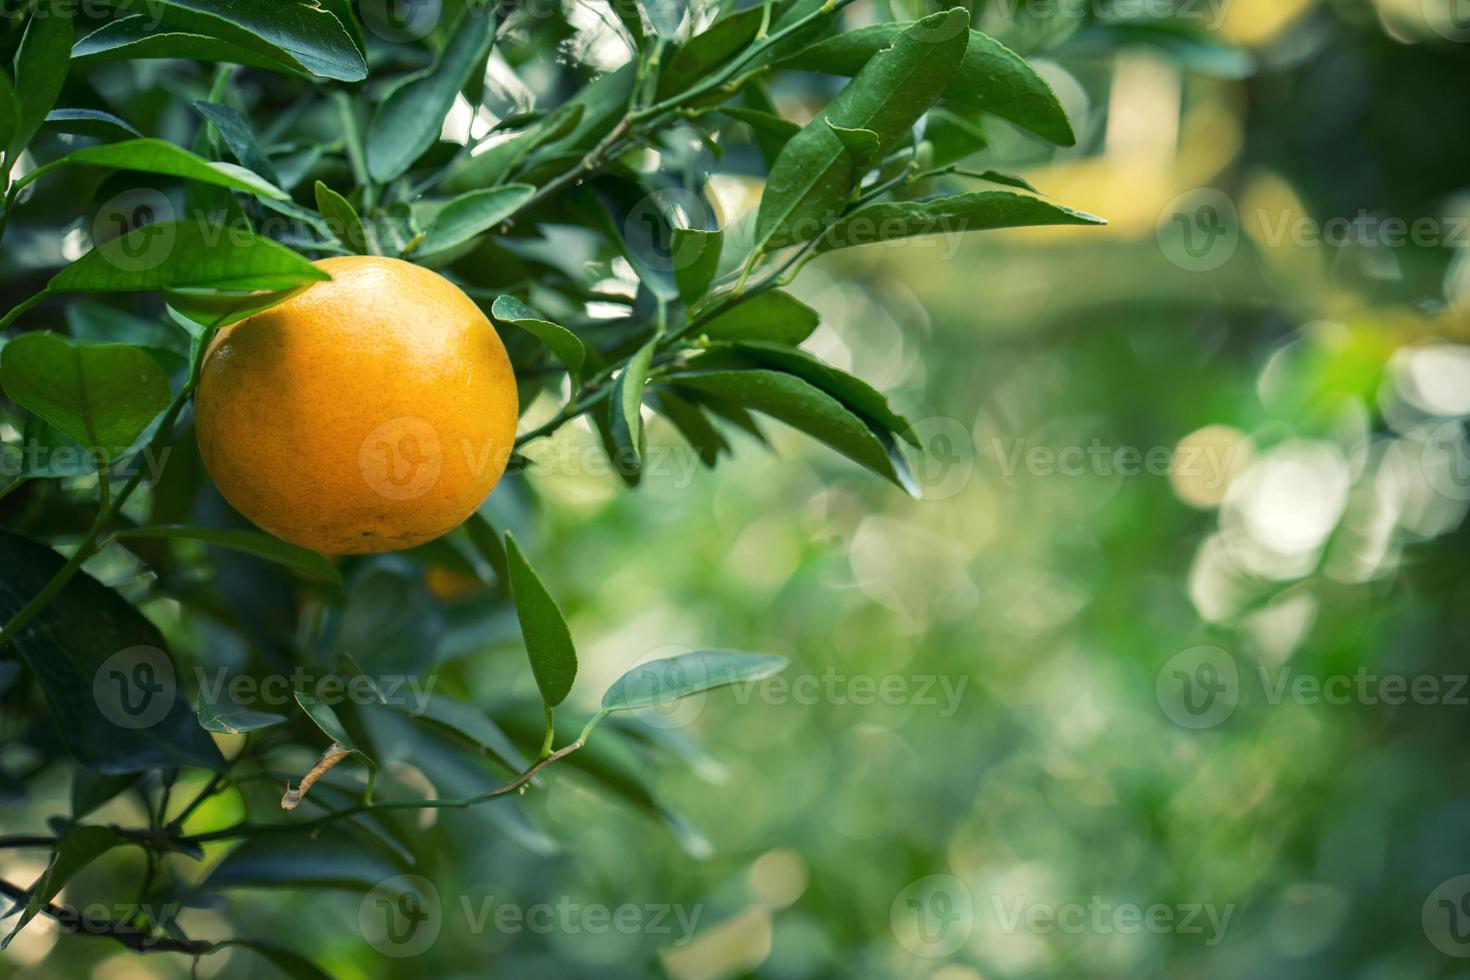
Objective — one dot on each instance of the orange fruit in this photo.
(369, 413)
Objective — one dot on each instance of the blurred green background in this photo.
(1118, 698)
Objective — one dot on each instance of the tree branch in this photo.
(73, 921)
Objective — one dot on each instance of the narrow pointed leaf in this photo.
(250, 542)
(567, 346)
(951, 215)
(627, 404)
(661, 681)
(548, 641)
(410, 116)
(90, 122)
(471, 214)
(813, 177)
(79, 847)
(239, 136)
(156, 156)
(696, 257)
(185, 255)
(40, 69)
(342, 218)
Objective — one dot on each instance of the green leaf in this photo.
(1007, 180)
(326, 719)
(952, 136)
(287, 35)
(296, 860)
(249, 542)
(991, 77)
(390, 624)
(100, 395)
(89, 789)
(473, 724)
(52, 453)
(40, 69)
(487, 543)
(658, 682)
(708, 50)
(342, 218)
(229, 718)
(548, 641)
(977, 211)
(627, 404)
(410, 116)
(293, 965)
(694, 426)
(567, 346)
(772, 315)
(865, 401)
(186, 255)
(162, 157)
(696, 257)
(489, 166)
(94, 699)
(815, 174)
(90, 122)
(799, 404)
(208, 308)
(861, 144)
(238, 135)
(9, 119)
(78, 847)
(470, 214)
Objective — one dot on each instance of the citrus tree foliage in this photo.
(174, 167)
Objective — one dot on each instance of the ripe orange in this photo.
(369, 413)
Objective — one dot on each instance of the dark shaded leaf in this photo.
(954, 214)
(79, 847)
(238, 135)
(90, 122)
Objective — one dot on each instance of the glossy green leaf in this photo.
(250, 542)
(952, 136)
(287, 35)
(342, 218)
(708, 50)
(991, 77)
(162, 157)
(799, 404)
(814, 176)
(410, 116)
(471, 214)
(627, 405)
(100, 395)
(491, 165)
(951, 215)
(772, 315)
(126, 715)
(861, 144)
(865, 401)
(658, 682)
(325, 718)
(696, 258)
(90, 122)
(567, 346)
(548, 640)
(40, 69)
(239, 136)
(78, 847)
(186, 255)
